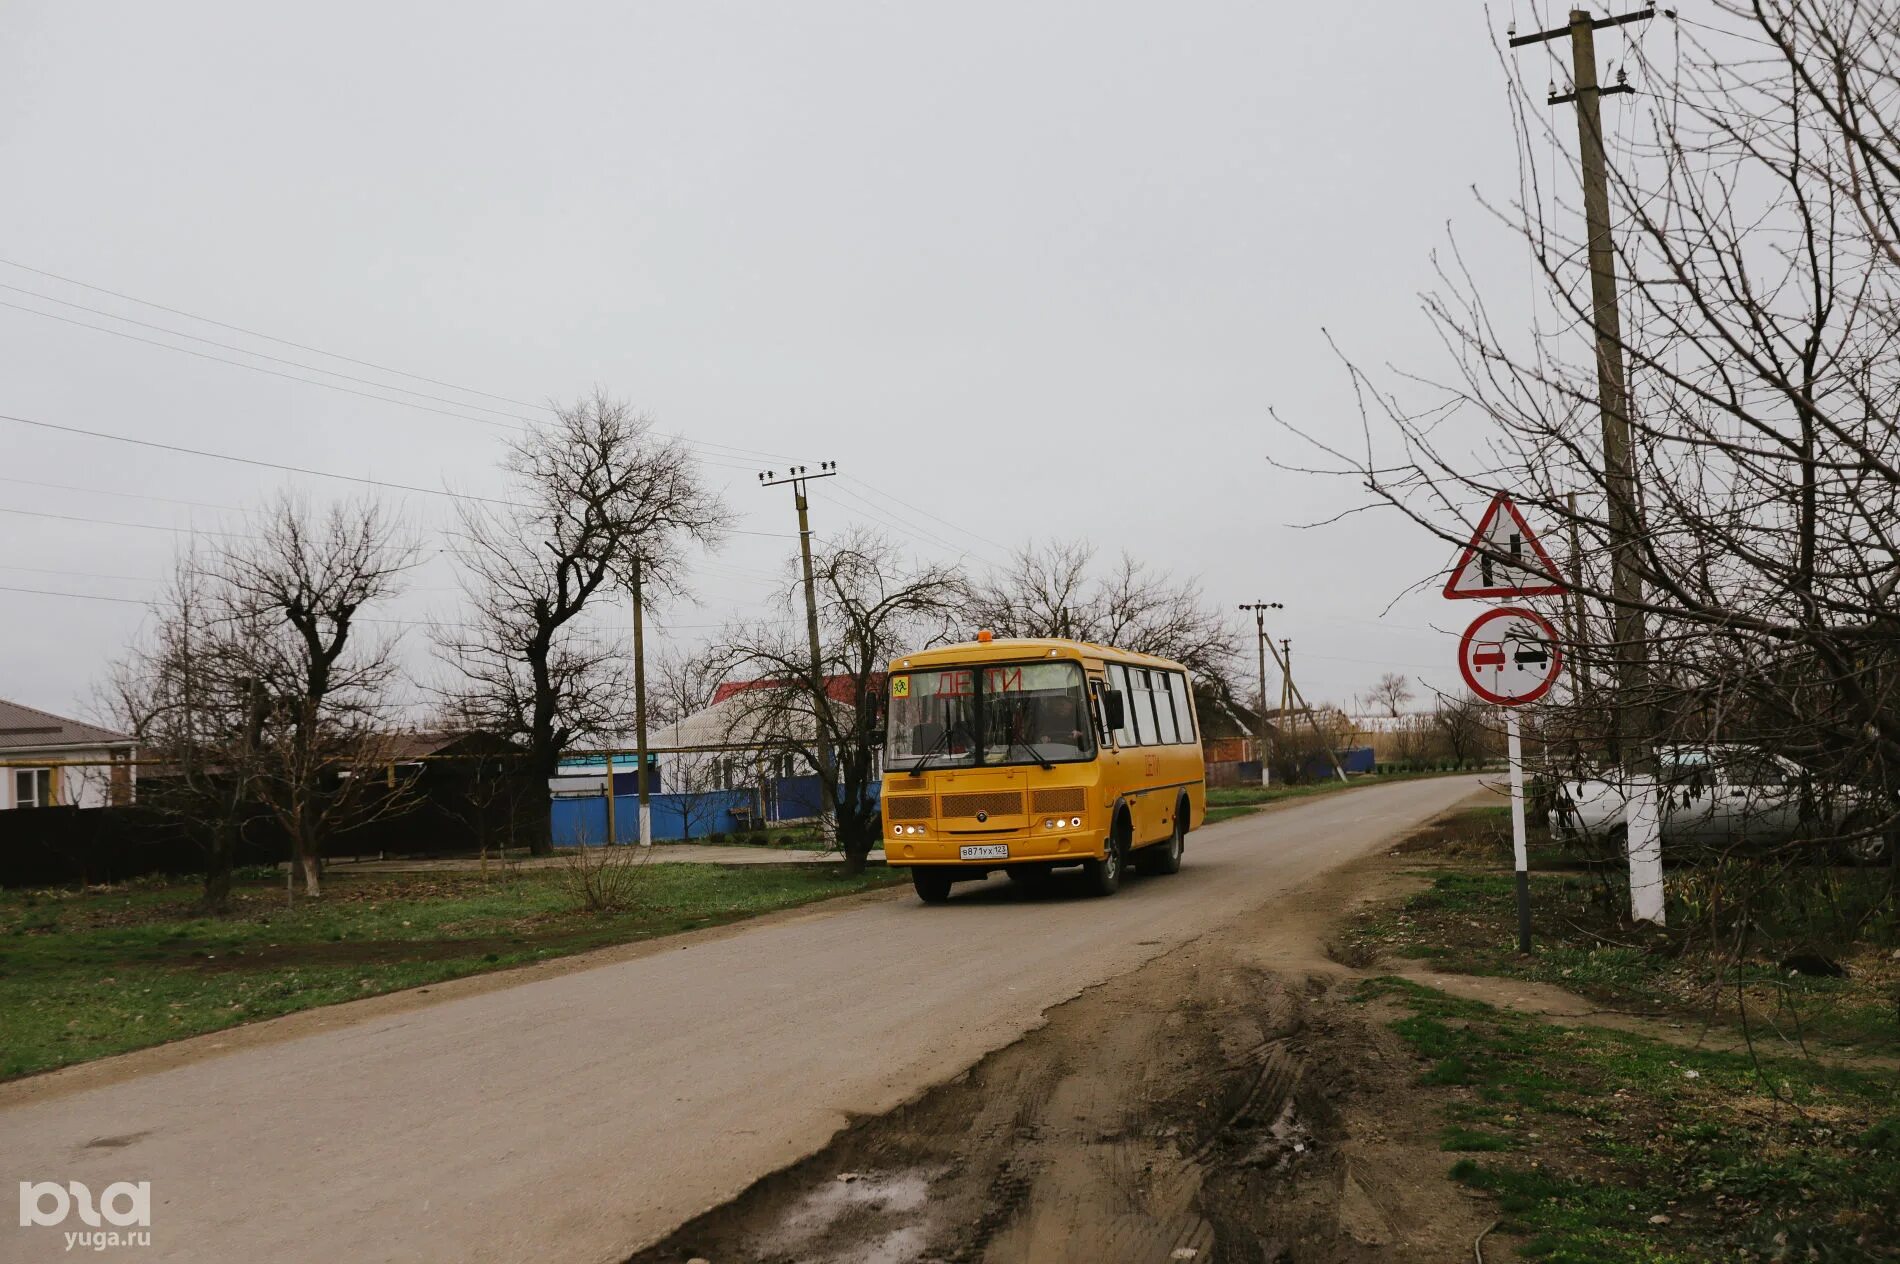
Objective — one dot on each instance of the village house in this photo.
(52, 761)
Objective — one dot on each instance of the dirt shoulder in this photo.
(1229, 1100)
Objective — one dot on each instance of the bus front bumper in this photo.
(1026, 847)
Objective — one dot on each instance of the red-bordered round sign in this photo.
(1510, 656)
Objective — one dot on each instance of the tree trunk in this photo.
(311, 865)
(218, 854)
(537, 817)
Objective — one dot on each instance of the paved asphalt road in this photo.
(581, 1117)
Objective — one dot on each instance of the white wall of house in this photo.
(58, 782)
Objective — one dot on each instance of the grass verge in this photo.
(1610, 1148)
(1224, 803)
(1465, 922)
(106, 970)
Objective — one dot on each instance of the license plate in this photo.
(985, 851)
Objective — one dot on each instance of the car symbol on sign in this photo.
(1488, 654)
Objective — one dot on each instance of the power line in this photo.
(47, 592)
(254, 461)
(313, 350)
(240, 329)
(107, 522)
(225, 346)
(881, 495)
(101, 491)
(332, 386)
(255, 368)
(916, 533)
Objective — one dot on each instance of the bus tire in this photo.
(1104, 876)
(933, 887)
(1165, 858)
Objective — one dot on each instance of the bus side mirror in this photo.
(1113, 714)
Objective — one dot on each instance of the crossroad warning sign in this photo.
(1504, 558)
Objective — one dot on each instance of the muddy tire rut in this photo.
(1204, 1107)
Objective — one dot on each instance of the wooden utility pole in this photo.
(1260, 609)
(1286, 675)
(1633, 721)
(1295, 700)
(798, 476)
(1579, 628)
(640, 708)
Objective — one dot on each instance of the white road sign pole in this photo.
(1519, 852)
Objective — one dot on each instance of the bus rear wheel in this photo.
(1166, 858)
(932, 887)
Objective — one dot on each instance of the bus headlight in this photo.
(1075, 822)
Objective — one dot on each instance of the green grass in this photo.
(84, 975)
(1224, 803)
(1466, 921)
(1791, 1161)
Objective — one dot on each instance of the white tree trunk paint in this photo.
(1643, 818)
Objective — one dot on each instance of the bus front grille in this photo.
(910, 807)
(1058, 799)
(994, 802)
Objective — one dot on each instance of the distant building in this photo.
(52, 761)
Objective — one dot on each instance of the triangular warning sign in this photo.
(1504, 558)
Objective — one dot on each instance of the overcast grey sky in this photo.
(1034, 269)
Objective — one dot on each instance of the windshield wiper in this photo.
(949, 730)
(1034, 754)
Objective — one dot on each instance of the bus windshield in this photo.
(1010, 713)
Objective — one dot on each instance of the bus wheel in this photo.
(1104, 876)
(1167, 857)
(932, 887)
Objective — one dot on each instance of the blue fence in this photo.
(581, 820)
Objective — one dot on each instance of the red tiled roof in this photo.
(841, 688)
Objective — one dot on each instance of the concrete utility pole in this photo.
(1634, 727)
(798, 476)
(640, 708)
(1286, 673)
(1260, 609)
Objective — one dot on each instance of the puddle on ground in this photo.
(865, 1199)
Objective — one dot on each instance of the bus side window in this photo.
(1164, 709)
(1118, 679)
(1142, 702)
(1183, 706)
(1098, 714)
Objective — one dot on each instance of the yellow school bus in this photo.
(1031, 755)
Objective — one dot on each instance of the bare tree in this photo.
(682, 684)
(1390, 695)
(1056, 590)
(597, 489)
(696, 782)
(305, 582)
(872, 607)
(190, 697)
(1462, 725)
(1757, 207)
